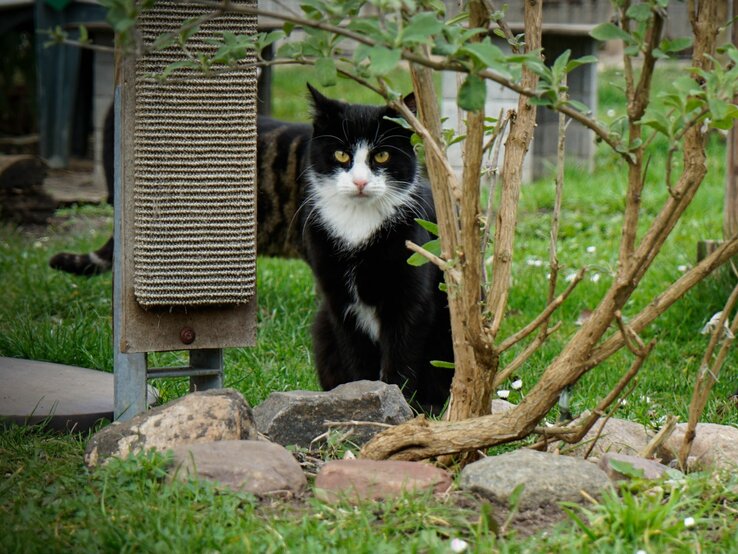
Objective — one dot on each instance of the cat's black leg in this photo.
(342, 354)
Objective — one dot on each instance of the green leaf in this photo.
(626, 468)
(515, 495)
(421, 28)
(472, 94)
(432, 246)
(165, 41)
(383, 60)
(325, 69)
(728, 120)
(561, 62)
(444, 365)
(429, 226)
(182, 64)
(579, 106)
(609, 31)
(84, 37)
(639, 12)
(485, 53)
(675, 45)
(540, 101)
(577, 62)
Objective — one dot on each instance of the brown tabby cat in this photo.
(281, 150)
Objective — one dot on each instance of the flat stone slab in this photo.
(259, 467)
(70, 398)
(360, 480)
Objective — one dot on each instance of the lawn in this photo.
(50, 502)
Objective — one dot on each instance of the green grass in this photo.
(50, 502)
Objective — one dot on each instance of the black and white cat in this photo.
(356, 176)
(379, 317)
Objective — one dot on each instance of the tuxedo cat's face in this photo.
(362, 168)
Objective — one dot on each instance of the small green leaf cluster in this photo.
(122, 15)
(552, 88)
(704, 97)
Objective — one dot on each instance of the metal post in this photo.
(129, 368)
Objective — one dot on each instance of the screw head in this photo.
(187, 335)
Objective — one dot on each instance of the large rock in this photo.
(619, 436)
(259, 467)
(548, 478)
(357, 480)
(298, 417)
(714, 446)
(206, 416)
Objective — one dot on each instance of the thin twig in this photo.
(632, 341)
(708, 373)
(543, 316)
(502, 24)
(523, 356)
(436, 260)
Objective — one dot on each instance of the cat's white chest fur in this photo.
(353, 203)
(367, 317)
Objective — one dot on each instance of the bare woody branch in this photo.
(543, 316)
(516, 146)
(708, 373)
(524, 355)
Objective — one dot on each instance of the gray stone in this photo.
(358, 480)
(648, 469)
(206, 416)
(548, 478)
(259, 467)
(619, 435)
(714, 446)
(298, 417)
(499, 406)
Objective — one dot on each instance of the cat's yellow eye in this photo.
(341, 156)
(381, 157)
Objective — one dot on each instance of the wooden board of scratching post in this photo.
(185, 222)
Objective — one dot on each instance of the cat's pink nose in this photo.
(360, 184)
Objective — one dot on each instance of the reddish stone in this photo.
(358, 480)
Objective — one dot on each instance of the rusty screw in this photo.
(187, 335)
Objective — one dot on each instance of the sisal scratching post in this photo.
(185, 230)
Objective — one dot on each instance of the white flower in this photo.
(459, 545)
(591, 249)
(682, 268)
(535, 262)
(570, 277)
(611, 113)
(595, 277)
(689, 522)
(503, 393)
(517, 384)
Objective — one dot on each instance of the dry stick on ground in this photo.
(662, 436)
(421, 439)
(708, 373)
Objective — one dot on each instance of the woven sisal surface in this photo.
(194, 193)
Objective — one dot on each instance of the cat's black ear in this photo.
(410, 102)
(319, 101)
